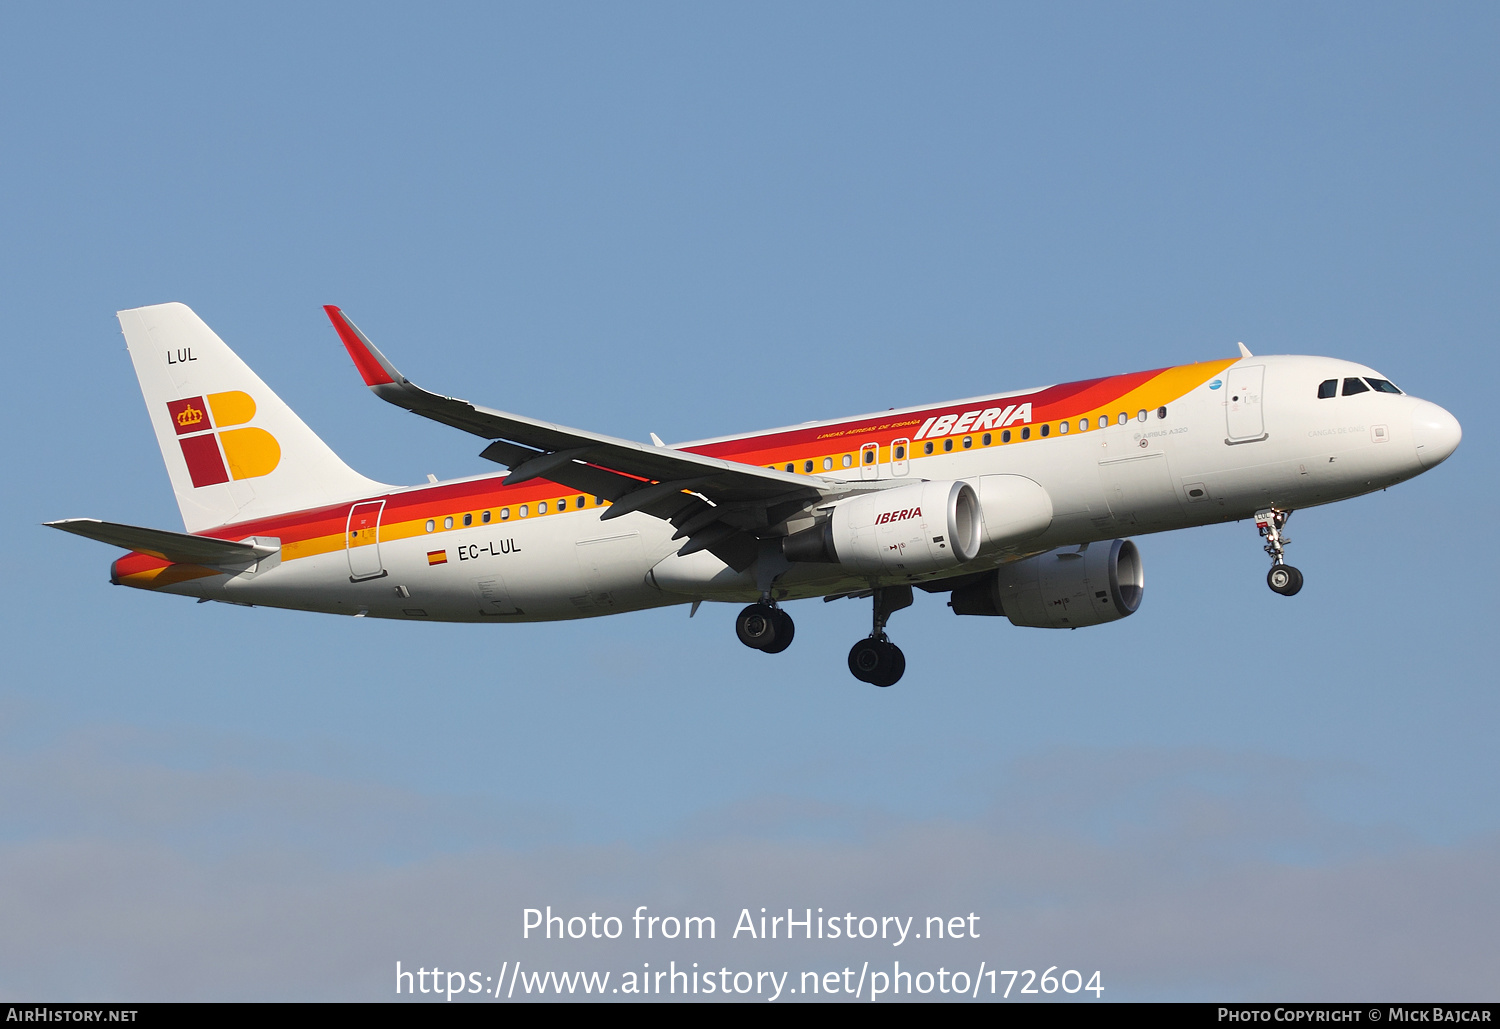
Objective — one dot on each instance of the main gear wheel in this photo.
(877, 661)
(765, 628)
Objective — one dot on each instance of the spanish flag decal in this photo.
(437, 557)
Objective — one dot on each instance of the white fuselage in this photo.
(1209, 459)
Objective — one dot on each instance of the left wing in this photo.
(718, 504)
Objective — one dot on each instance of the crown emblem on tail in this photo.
(189, 416)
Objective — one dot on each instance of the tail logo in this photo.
(216, 453)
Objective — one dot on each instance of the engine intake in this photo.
(907, 530)
(1061, 589)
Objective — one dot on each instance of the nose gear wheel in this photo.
(1282, 578)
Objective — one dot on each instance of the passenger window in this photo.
(968, 442)
(431, 525)
(1123, 418)
(485, 518)
(1062, 428)
(579, 503)
(948, 444)
(927, 447)
(828, 464)
(523, 510)
(869, 457)
(468, 519)
(1025, 432)
(1140, 416)
(1353, 386)
(1046, 430)
(448, 522)
(901, 453)
(598, 501)
(1161, 412)
(1083, 425)
(807, 466)
(1005, 436)
(541, 507)
(848, 460)
(987, 439)
(1328, 388)
(791, 466)
(1103, 420)
(505, 514)
(562, 505)
(1382, 385)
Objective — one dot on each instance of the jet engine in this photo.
(905, 530)
(1014, 507)
(1061, 589)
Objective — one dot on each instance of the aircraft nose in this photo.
(1436, 433)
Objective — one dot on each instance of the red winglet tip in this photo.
(370, 369)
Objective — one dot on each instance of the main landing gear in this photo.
(765, 627)
(876, 660)
(1282, 578)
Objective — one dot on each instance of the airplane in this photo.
(1015, 504)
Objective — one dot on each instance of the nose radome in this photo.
(1435, 432)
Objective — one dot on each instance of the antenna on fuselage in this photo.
(1245, 351)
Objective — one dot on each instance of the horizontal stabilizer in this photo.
(169, 546)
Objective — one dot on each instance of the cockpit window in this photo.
(1382, 385)
(1353, 386)
(1328, 388)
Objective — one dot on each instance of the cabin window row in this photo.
(899, 452)
(504, 514)
(847, 461)
(1044, 430)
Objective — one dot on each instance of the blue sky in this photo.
(695, 220)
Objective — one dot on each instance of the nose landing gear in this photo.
(875, 659)
(1282, 578)
(765, 627)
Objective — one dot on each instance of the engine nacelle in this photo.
(906, 530)
(1061, 589)
(1014, 507)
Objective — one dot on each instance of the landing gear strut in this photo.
(876, 659)
(765, 627)
(1282, 578)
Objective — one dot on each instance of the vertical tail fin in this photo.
(233, 449)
